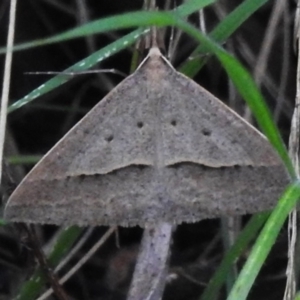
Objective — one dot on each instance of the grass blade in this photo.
(132, 19)
(102, 25)
(221, 33)
(264, 242)
(245, 237)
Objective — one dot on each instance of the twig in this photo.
(59, 291)
(81, 262)
(266, 47)
(294, 142)
(74, 250)
(75, 73)
(150, 272)
(6, 80)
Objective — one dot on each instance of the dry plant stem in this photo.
(67, 9)
(83, 18)
(88, 255)
(294, 142)
(74, 250)
(285, 69)
(173, 44)
(6, 79)
(40, 256)
(150, 272)
(202, 21)
(113, 71)
(269, 38)
(267, 80)
(266, 47)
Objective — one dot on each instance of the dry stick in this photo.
(83, 18)
(152, 264)
(81, 262)
(285, 66)
(76, 73)
(6, 80)
(268, 82)
(269, 38)
(74, 250)
(59, 291)
(294, 141)
(266, 47)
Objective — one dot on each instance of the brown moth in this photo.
(157, 148)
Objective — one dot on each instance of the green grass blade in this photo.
(211, 292)
(23, 159)
(120, 44)
(127, 20)
(264, 243)
(3, 222)
(192, 6)
(82, 65)
(221, 33)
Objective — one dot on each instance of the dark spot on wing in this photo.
(206, 132)
(109, 138)
(174, 122)
(140, 124)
